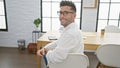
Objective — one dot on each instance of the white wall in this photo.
(89, 17)
(20, 16)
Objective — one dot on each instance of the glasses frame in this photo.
(64, 12)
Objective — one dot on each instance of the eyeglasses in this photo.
(64, 12)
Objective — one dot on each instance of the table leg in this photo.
(39, 61)
(98, 65)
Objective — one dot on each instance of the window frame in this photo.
(108, 19)
(80, 19)
(5, 16)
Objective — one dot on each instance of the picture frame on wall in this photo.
(89, 3)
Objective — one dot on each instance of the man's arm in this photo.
(64, 46)
(51, 46)
(45, 49)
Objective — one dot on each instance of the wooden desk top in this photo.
(91, 39)
(50, 33)
(111, 38)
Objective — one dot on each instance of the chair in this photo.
(112, 29)
(74, 60)
(108, 55)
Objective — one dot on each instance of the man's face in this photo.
(66, 16)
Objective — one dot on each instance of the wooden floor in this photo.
(13, 58)
(92, 59)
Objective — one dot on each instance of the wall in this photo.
(20, 16)
(89, 17)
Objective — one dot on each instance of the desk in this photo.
(91, 40)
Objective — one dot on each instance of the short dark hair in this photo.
(68, 3)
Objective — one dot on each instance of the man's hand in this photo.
(41, 52)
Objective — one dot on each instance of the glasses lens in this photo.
(64, 12)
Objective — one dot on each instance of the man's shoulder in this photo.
(73, 32)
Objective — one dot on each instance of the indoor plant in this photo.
(37, 22)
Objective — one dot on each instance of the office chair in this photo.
(112, 29)
(108, 55)
(74, 60)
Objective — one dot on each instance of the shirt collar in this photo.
(69, 26)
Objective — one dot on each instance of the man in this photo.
(70, 41)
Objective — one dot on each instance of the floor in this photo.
(13, 58)
(92, 59)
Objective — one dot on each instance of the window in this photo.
(109, 13)
(50, 19)
(3, 22)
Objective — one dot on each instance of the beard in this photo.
(63, 22)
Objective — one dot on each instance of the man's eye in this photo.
(65, 12)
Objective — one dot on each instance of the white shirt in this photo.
(70, 41)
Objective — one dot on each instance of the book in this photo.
(52, 38)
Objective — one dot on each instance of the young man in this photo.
(70, 41)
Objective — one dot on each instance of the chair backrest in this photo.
(109, 54)
(74, 60)
(112, 29)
